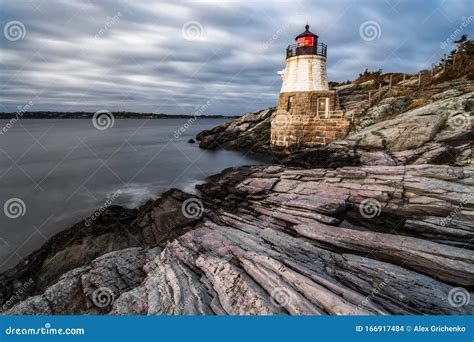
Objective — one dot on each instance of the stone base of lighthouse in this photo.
(307, 119)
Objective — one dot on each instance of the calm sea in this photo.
(55, 172)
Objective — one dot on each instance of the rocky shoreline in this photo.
(379, 223)
(279, 240)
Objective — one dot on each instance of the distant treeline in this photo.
(89, 115)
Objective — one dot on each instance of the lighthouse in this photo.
(305, 69)
(308, 112)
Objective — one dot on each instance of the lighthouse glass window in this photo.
(305, 41)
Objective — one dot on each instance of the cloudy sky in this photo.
(175, 57)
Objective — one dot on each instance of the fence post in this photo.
(419, 79)
(431, 76)
(390, 85)
(370, 97)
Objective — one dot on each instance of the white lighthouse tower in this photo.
(308, 113)
(305, 65)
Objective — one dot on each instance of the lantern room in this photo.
(306, 44)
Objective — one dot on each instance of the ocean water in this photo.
(54, 173)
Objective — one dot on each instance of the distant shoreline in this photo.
(117, 115)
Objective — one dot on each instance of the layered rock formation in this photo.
(432, 124)
(277, 240)
(115, 229)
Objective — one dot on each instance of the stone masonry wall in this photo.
(304, 103)
(290, 132)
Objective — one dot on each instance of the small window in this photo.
(290, 103)
(322, 105)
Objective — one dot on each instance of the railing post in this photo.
(390, 84)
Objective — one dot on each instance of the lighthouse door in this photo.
(322, 107)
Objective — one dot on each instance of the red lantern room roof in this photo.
(307, 33)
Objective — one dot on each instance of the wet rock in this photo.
(115, 229)
(276, 240)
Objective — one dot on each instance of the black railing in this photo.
(295, 50)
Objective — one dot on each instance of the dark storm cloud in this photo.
(133, 55)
